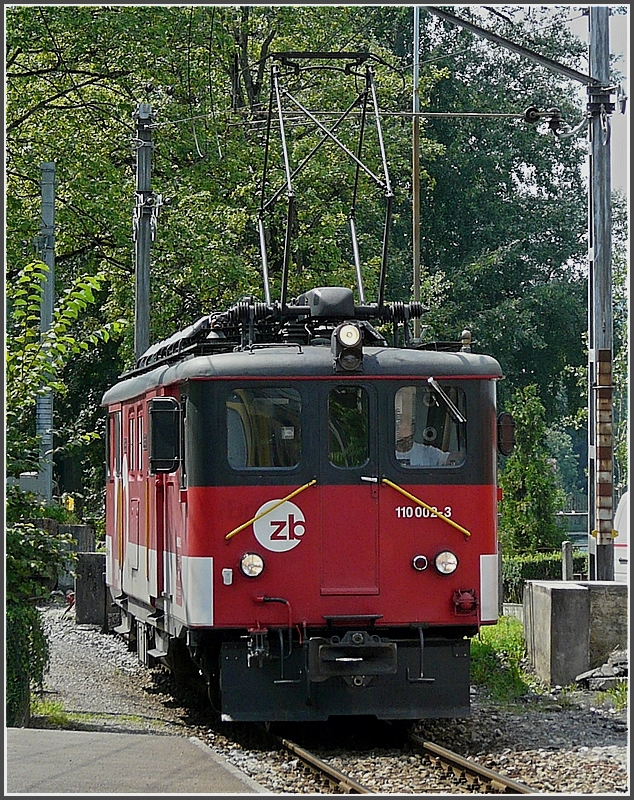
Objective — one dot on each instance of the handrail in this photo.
(270, 508)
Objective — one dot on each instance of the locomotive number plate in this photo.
(418, 512)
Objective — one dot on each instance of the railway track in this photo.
(333, 777)
(474, 775)
(463, 775)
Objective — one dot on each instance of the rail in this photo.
(344, 783)
(474, 773)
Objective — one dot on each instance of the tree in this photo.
(559, 444)
(531, 497)
(205, 73)
(34, 363)
(503, 223)
(35, 360)
(505, 214)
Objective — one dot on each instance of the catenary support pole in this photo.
(416, 168)
(600, 327)
(44, 405)
(144, 214)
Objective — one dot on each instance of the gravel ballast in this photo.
(564, 743)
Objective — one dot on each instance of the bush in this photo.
(531, 496)
(26, 660)
(34, 558)
(517, 568)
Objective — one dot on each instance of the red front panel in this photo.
(341, 550)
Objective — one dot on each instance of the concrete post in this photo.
(566, 561)
(44, 406)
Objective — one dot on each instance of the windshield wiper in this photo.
(455, 412)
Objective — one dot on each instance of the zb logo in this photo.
(282, 529)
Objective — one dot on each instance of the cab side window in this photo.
(428, 433)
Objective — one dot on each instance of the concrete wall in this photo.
(608, 619)
(556, 615)
(513, 610)
(571, 627)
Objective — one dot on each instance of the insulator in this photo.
(296, 332)
(399, 311)
(242, 310)
(532, 114)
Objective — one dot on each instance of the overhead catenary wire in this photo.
(291, 114)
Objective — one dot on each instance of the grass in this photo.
(52, 712)
(496, 656)
(497, 665)
(56, 717)
(617, 695)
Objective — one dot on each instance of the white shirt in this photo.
(423, 455)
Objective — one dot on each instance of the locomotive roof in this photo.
(300, 361)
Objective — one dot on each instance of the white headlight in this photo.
(349, 335)
(446, 562)
(251, 565)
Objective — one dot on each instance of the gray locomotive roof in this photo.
(295, 361)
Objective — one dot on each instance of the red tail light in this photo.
(465, 601)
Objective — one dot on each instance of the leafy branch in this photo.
(35, 359)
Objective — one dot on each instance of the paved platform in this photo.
(86, 762)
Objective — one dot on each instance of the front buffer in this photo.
(352, 673)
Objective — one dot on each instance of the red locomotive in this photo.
(304, 510)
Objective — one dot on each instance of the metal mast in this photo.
(144, 216)
(416, 169)
(44, 406)
(600, 328)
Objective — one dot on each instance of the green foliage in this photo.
(205, 73)
(496, 656)
(559, 444)
(504, 208)
(35, 360)
(27, 505)
(33, 561)
(518, 568)
(34, 556)
(620, 374)
(26, 660)
(504, 216)
(618, 695)
(531, 497)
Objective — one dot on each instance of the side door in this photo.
(115, 540)
(349, 489)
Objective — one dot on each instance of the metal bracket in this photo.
(421, 675)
